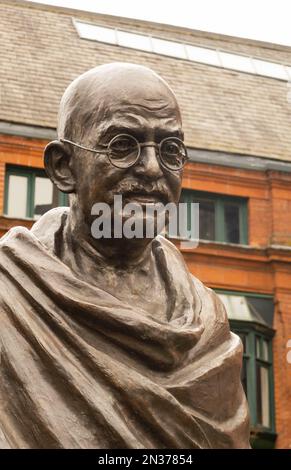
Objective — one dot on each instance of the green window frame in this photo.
(257, 339)
(31, 174)
(258, 353)
(220, 203)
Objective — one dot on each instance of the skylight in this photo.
(170, 48)
(184, 51)
(236, 62)
(203, 55)
(135, 41)
(96, 33)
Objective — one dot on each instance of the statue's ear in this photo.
(58, 165)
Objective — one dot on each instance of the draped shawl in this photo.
(80, 368)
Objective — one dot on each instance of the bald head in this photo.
(96, 108)
(114, 94)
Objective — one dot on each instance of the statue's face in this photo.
(148, 118)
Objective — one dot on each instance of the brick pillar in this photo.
(282, 369)
(281, 207)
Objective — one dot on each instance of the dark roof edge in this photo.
(23, 130)
(235, 160)
(206, 34)
(212, 157)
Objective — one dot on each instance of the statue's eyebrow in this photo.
(138, 132)
(162, 133)
(113, 130)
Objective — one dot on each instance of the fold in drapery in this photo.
(81, 369)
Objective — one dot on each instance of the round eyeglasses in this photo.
(124, 150)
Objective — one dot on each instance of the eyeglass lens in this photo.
(124, 150)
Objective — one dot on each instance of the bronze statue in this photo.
(112, 343)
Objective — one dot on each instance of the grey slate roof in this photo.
(223, 110)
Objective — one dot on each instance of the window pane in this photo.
(270, 69)
(244, 375)
(231, 218)
(205, 56)
(43, 196)
(236, 62)
(136, 41)
(263, 407)
(259, 395)
(97, 33)
(258, 347)
(288, 70)
(17, 196)
(265, 350)
(265, 396)
(206, 220)
(174, 49)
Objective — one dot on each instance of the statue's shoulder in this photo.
(170, 249)
(21, 246)
(20, 250)
(49, 225)
(43, 230)
(213, 316)
(212, 308)
(212, 305)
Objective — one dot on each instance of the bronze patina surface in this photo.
(112, 343)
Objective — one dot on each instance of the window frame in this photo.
(251, 332)
(220, 200)
(31, 173)
(261, 437)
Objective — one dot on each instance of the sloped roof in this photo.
(41, 53)
(248, 309)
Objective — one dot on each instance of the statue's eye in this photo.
(123, 151)
(173, 153)
(122, 146)
(171, 149)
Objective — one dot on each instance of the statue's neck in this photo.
(128, 278)
(120, 252)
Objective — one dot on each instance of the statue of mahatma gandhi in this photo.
(111, 342)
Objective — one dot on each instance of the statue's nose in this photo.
(149, 163)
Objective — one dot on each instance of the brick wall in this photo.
(260, 220)
(282, 370)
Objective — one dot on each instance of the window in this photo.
(134, 41)
(203, 55)
(29, 193)
(263, 366)
(221, 218)
(97, 33)
(251, 317)
(174, 49)
(269, 69)
(236, 62)
(180, 50)
(257, 379)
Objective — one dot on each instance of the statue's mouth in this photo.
(143, 197)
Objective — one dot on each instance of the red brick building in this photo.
(234, 99)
